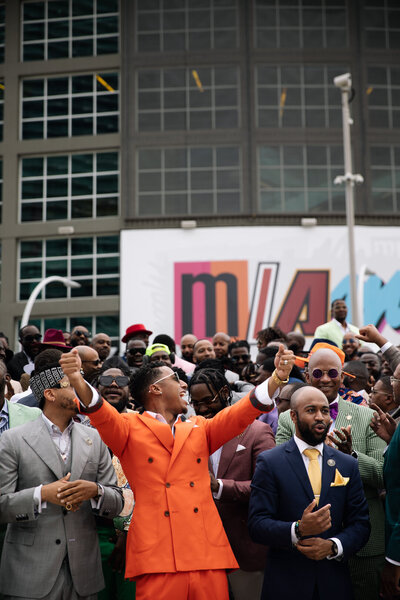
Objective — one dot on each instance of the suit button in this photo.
(166, 514)
(191, 484)
(58, 541)
(150, 460)
(196, 510)
(199, 460)
(167, 485)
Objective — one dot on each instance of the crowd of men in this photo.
(200, 474)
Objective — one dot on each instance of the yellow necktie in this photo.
(314, 471)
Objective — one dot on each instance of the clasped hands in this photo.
(64, 492)
(314, 523)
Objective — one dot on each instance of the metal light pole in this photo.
(344, 83)
(362, 276)
(36, 291)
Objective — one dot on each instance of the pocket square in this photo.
(339, 480)
(240, 447)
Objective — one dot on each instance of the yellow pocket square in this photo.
(339, 480)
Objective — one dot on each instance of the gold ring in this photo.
(68, 506)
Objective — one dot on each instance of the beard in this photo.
(309, 436)
(120, 405)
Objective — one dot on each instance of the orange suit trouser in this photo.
(185, 585)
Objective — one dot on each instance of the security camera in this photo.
(343, 82)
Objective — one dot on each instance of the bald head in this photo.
(91, 363)
(187, 344)
(310, 415)
(221, 343)
(325, 372)
(303, 395)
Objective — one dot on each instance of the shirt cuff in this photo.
(37, 498)
(95, 397)
(217, 495)
(294, 537)
(262, 395)
(339, 547)
(392, 562)
(386, 347)
(97, 503)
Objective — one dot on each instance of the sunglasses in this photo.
(240, 357)
(349, 341)
(208, 402)
(173, 374)
(120, 380)
(94, 362)
(133, 351)
(80, 333)
(332, 373)
(32, 338)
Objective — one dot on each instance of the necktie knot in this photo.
(311, 453)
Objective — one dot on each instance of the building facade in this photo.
(140, 114)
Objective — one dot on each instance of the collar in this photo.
(344, 327)
(302, 445)
(335, 402)
(160, 418)
(54, 428)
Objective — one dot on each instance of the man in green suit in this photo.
(352, 434)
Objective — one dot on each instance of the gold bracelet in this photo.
(277, 380)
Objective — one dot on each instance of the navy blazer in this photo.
(281, 490)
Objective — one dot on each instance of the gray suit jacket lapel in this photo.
(40, 441)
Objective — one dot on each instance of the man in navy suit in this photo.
(313, 516)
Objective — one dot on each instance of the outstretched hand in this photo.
(382, 424)
(71, 364)
(284, 361)
(369, 333)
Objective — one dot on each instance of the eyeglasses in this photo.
(394, 380)
(80, 333)
(240, 357)
(349, 341)
(195, 404)
(332, 373)
(375, 391)
(32, 338)
(120, 380)
(94, 362)
(173, 374)
(133, 351)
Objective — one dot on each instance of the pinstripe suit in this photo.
(369, 448)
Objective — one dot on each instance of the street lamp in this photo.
(343, 82)
(36, 291)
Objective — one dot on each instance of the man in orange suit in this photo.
(177, 547)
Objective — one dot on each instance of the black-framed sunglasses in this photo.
(133, 351)
(240, 357)
(36, 337)
(332, 373)
(208, 402)
(94, 362)
(80, 333)
(120, 380)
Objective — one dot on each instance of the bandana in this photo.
(45, 380)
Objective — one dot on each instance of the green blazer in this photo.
(20, 414)
(392, 481)
(369, 448)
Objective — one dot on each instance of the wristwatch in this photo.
(100, 492)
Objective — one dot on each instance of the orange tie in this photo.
(314, 471)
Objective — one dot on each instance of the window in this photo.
(1, 109)
(383, 93)
(300, 24)
(69, 186)
(299, 179)
(179, 25)
(91, 261)
(385, 179)
(67, 106)
(69, 28)
(108, 324)
(181, 99)
(382, 24)
(2, 30)
(298, 96)
(1, 189)
(189, 181)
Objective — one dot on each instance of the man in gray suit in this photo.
(55, 475)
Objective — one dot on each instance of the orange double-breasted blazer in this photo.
(175, 526)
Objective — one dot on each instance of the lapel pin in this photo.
(88, 441)
(331, 462)
(349, 417)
